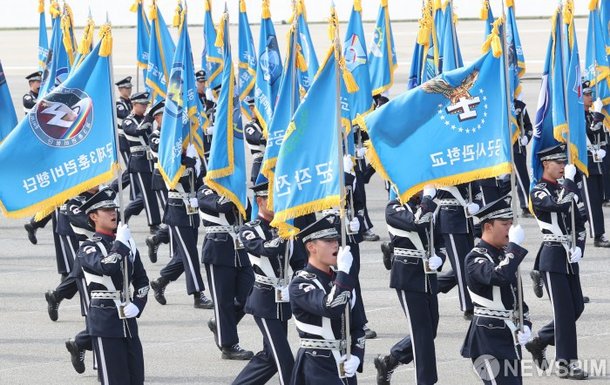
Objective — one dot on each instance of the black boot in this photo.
(158, 285)
(385, 366)
(536, 283)
(78, 356)
(29, 227)
(52, 304)
(601, 241)
(235, 352)
(369, 333)
(153, 245)
(202, 301)
(386, 250)
(571, 371)
(538, 350)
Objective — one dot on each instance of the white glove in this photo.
(524, 336)
(344, 259)
(193, 202)
(575, 254)
(569, 172)
(472, 208)
(130, 310)
(434, 262)
(209, 130)
(429, 191)
(123, 234)
(191, 151)
(285, 293)
(524, 140)
(209, 94)
(348, 164)
(354, 225)
(350, 365)
(360, 152)
(516, 234)
(601, 153)
(598, 105)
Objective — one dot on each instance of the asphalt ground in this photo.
(178, 347)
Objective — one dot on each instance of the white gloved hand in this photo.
(598, 105)
(524, 336)
(123, 234)
(348, 164)
(524, 140)
(209, 130)
(516, 234)
(344, 259)
(209, 94)
(360, 152)
(429, 191)
(569, 172)
(130, 310)
(285, 293)
(350, 365)
(601, 153)
(472, 208)
(575, 254)
(191, 151)
(354, 225)
(193, 202)
(434, 262)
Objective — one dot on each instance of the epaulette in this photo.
(480, 250)
(253, 223)
(95, 239)
(305, 274)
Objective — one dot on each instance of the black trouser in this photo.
(120, 361)
(458, 246)
(522, 178)
(593, 196)
(65, 252)
(508, 372)
(184, 259)
(67, 288)
(146, 198)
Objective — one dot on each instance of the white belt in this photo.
(268, 280)
(219, 229)
(492, 313)
(138, 148)
(257, 155)
(310, 343)
(449, 202)
(100, 294)
(399, 251)
(180, 195)
(556, 238)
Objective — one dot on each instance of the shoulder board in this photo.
(479, 250)
(95, 239)
(305, 274)
(254, 223)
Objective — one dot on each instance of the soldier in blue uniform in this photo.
(29, 100)
(520, 155)
(228, 269)
(269, 299)
(593, 186)
(256, 141)
(201, 78)
(413, 276)
(117, 345)
(319, 296)
(493, 338)
(557, 260)
(182, 218)
(123, 109)
(138, 127)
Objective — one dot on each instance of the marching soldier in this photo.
(593, 188)
(182, 217)
(269, 299)
(255, 140)
(491, 276)
(29, 100)
(319, 296)
(228, 270)
(520, 155)
(413, 276)
(138, 128)
(123, 109)
(557, 260)
(115, 337)
(201, 78)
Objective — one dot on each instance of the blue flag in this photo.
(488, 16)
(227, 164)
(161, 51)
(356, 62)
(268, 70)
(247, 62)
(425, 63)
(459, 134)
(451, 54)
(65, 145)
(307, 49)
(181, 113)
(58, 64)
(143, 35)
(382, 55)
(516, 60)
(597, 69)
(604, 15)
(211, 59)
(306, 176)
(8, 116)
(43, 41)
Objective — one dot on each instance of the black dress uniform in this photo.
(157, 183)
(409, 228)
(228, 269)
(318, 300)
(267, 253)
(520, 154)
(491, 276)
(117, 344)
(123, 109)
(137, 130)
(30, 99)
(552, 203)
(256, 143)
(201, 76)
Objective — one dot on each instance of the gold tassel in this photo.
(423, 35)
(177, 13)
(437, 5)
(152, 15)
(134, 6)
(592, 5)
(301, 63)
(493, 41)
(484, 10)
(266, 12)
(350, 82)
(220, 32)
(567, 12)
(40, 6)
(54, 10)
(358, 5)
(85, 44)
(242, 5)
(67, 40)
(384, 3)
(106, 36)
(207, 6)
(510, 3)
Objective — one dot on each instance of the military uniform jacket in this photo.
(410, 231)
(123, 109)
(175, 213)
(29, 101)
(452, 217)
(157, 182)
(62, 226)
(79, 221)
(267, 253)
(318, 301)
(596, 139)
(101, 259)
(491, 276)
(254, 137)
(552, 204)
(219, 247)
(525, 124)
(137, 130)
